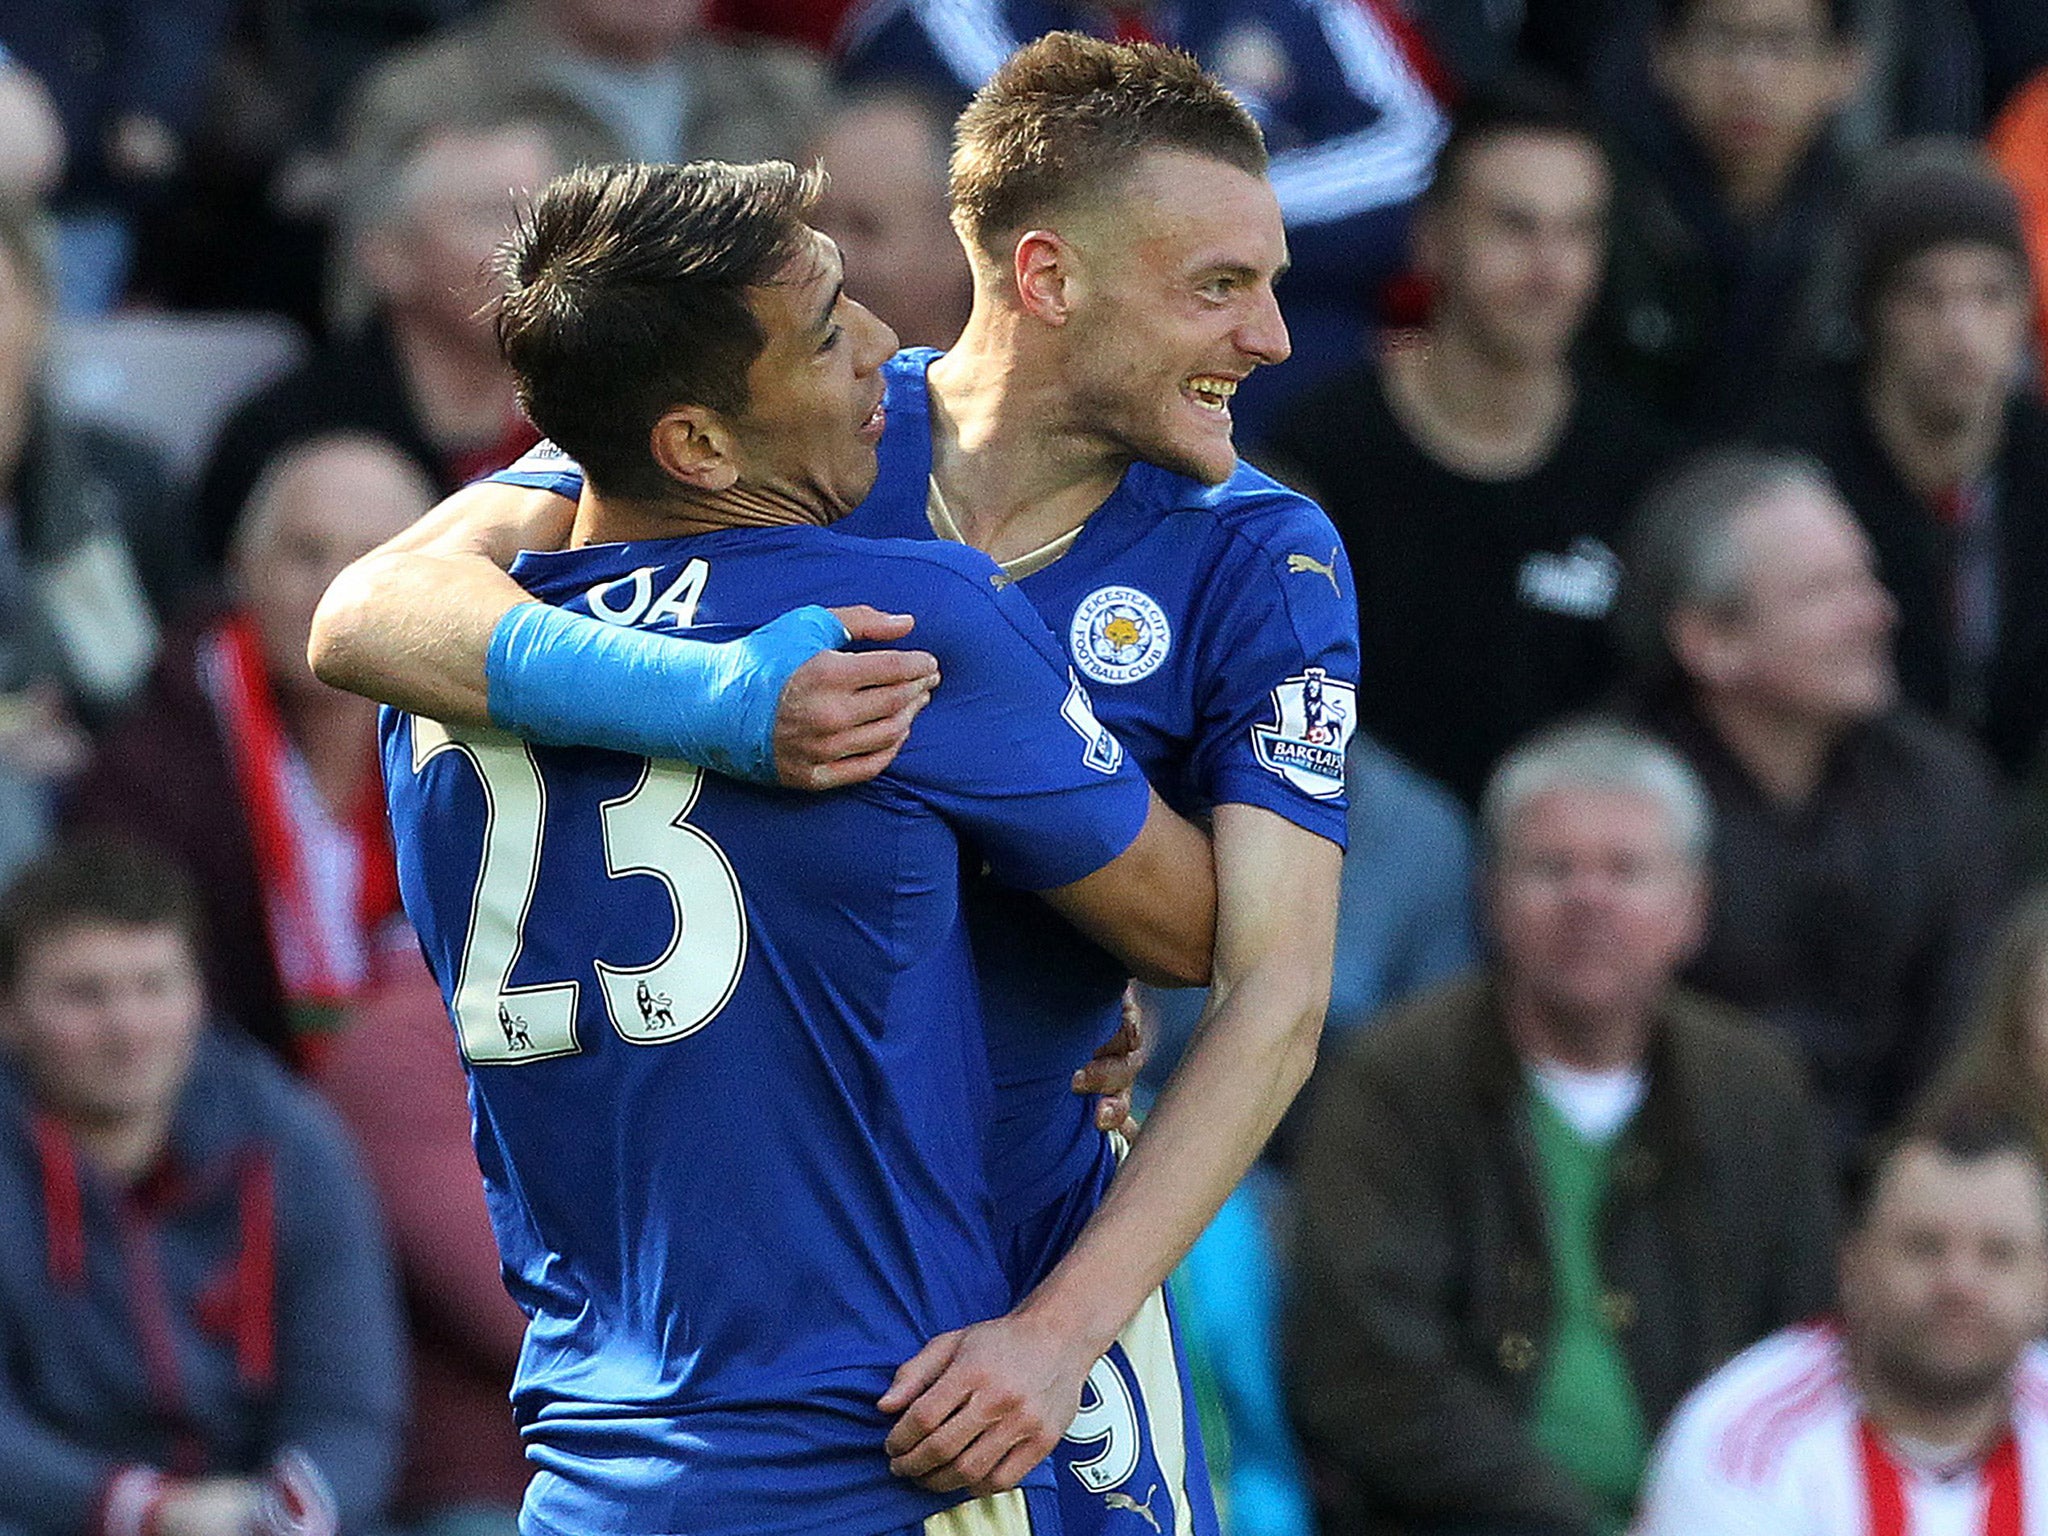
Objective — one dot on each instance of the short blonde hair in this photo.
(1068, 117)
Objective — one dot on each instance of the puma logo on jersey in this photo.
(1303, 565)
(1142, 1511)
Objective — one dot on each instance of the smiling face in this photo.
(1173, 309)
(814, 394)
(1810, 636)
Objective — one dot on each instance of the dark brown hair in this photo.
(626, 295)
(1967, 1121)
(97, 880)
(1069, 116)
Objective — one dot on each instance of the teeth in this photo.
(1212, 393)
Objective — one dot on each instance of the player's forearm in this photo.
(414, 630)
(411, 623)
(1248, 1061)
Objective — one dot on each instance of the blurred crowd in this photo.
(1671, 370)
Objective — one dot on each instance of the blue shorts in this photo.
(1132, 1464)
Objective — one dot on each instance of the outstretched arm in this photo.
(983, 1405)
(431, 622)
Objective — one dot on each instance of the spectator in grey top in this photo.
(1860, 852)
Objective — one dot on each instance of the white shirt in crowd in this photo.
(1774, 1444)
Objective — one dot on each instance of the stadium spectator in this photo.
(1344, 93)
(1538, 1205)
(1936, 447)
(198, 1328)
(609, 80)
(886, 149)
(1925, 1408)
(126, 78)
(260, 780)
(2019, 142)
(1480, 487)
(77, 628)
(1719, 283)
(423, 369)
(396, 1078)
(31, 138)
(1861, 852)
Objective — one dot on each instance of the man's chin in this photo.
(1209, 466)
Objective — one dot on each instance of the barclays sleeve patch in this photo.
(1315, 715)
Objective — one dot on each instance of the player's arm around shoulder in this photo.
(1143, 884)
(410, 623)
(431, 622)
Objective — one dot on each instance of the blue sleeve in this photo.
(543, 467)
(1009, 750)
(1281, 659)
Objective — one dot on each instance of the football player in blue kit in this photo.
(1124, 245)
(723, 1041)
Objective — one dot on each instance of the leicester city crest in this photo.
(1315, 716)
(1119, 635)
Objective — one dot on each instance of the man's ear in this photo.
(1703, 644)
(695, 448)
(1043, 268)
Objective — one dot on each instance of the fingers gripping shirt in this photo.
(724, 1041)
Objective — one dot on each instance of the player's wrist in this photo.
(1082, 1318)
(568, 680)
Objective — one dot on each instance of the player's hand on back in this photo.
(979, 1407)
(1113, 1070)
(843, 716)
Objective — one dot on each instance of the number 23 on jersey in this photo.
(645, 832)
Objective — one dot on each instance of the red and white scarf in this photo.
(328, 882)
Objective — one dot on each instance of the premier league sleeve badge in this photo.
(1315, 715)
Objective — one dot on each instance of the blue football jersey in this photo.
(1216, 628)
(730, 1087)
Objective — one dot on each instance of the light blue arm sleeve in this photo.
(564, 679)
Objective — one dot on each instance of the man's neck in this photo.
(1753, 193)
(461, 390)
(1934, 458)
(1474, 412)
(123, 1150)
(1611, 1041)
(1965, 1430)
(1015, 469)
(1786, 754)
(602, 519)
